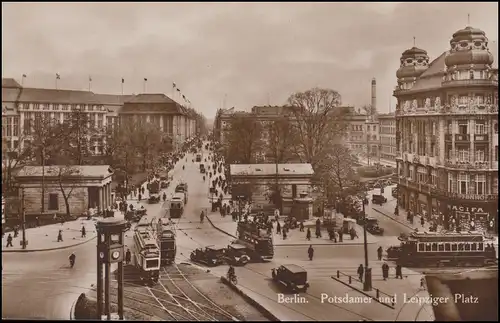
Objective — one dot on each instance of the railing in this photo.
(481, 138)
(380, 296)
(484, 82)
(458, 164)
(462, 138)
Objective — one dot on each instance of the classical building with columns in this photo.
(85, 187)
(447, 133)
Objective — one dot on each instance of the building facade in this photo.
(22, 107)
(363, 137)
(254, 181)
(84, 186)
(447, 133)
(387, 133)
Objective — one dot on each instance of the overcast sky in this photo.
(254, 53)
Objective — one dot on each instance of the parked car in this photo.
(394, 192)
(236, 255)
(210, 256)
(378, 199)
(293, 277)
(373, 227)
(154, 198)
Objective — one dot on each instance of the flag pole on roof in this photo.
(123, 81)
(58, 77)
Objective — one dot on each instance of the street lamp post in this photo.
(367, 283)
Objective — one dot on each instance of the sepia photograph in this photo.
(250, 161)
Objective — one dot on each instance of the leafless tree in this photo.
(369, 110)
(12, 159)
(243, 139)
(320, 122)
(339, 176)
(280, 139)
(147, 139)
(44, 140)
(66, 175)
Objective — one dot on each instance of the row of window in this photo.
(388, 130)
(463, 154)
(463, 99)
(63, 107)
(390, 141)
(450, 246)
(360, 127)
(481, 127)
(364, 138)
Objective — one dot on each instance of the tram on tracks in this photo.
(165, 236)
(147, 255)
(259, 243)
(450, 249)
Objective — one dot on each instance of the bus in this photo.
(256, 239)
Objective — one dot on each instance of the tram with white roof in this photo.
(147, 255)
(451, 249)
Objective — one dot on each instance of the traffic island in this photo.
(264, 311)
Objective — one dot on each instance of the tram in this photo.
(259, 243)
(165, 236)
(147, 255)
(451, 249)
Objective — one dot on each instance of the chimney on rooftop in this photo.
(374, 94)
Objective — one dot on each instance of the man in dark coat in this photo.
(310, 252)
(128, 257)
(385, 271)
(361, 271)
(379, 253)
(308, 234)
(399, 271)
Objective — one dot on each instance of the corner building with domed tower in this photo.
(447, 134)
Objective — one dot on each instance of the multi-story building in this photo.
(363, 137)
(447, 133)
(23, 106)
(387, 133)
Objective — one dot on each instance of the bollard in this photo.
(378, 293)
(338, 273)
(350, 280)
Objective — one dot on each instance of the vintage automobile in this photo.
(378, 199)
(373, 227)
(236, 255)
(210, 256)
(154, 198)
(132, 216)
(293, 277)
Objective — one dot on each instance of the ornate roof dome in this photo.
(414, 62)
(469, 46)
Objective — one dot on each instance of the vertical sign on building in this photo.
(3, 210)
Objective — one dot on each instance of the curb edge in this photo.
(264, 311)
(393, 219)
(219, 229)
(50, 249)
